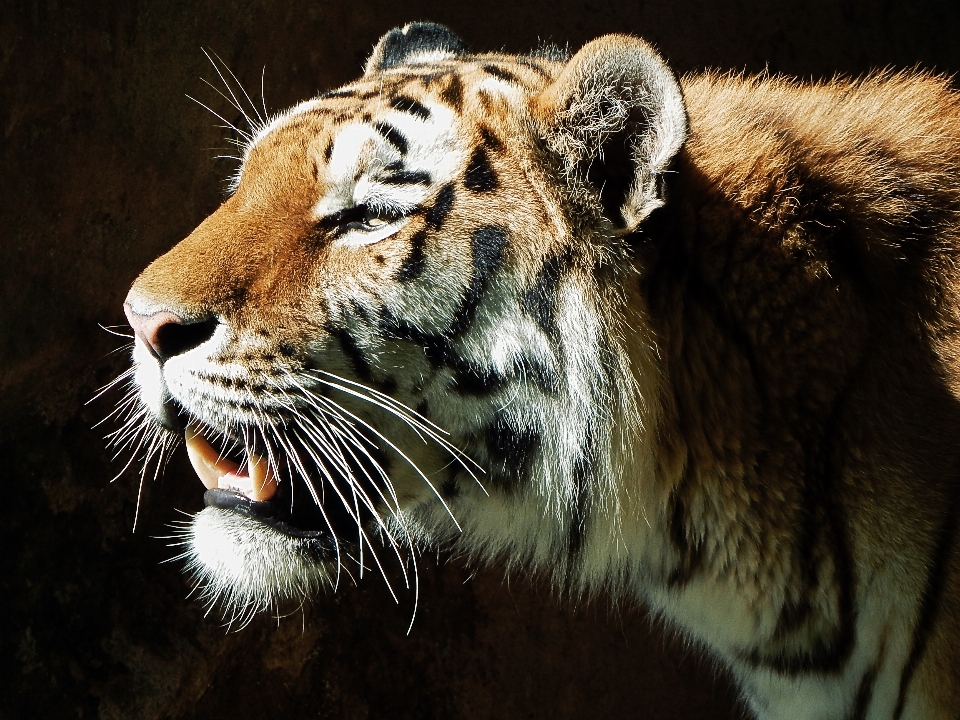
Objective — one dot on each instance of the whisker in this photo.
(397, 450)
(332, 450)
(403, 413)
(231, 102)
(125, 331)
(126, 374)
(260, 118)
(235, 102)
(263, 416)
(263, 96)
(369, 503)
(220, 117)
(355, 517)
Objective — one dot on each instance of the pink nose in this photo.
(167, 334)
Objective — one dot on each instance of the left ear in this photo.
(617, 117)
(414, 43)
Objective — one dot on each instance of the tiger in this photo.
(690, 343)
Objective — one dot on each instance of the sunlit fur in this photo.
(691, 344)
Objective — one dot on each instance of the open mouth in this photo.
(252, 478)
(242, 481)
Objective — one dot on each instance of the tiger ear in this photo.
(414, 43)
(617, 117)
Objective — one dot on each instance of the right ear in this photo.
(616, 116)
(416, 42)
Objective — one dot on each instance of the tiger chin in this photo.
(690, 343)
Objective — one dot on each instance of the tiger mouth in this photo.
(253, 478)
(240, 480)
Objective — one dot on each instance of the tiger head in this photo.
(415, 320)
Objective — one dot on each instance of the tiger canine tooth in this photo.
(258, 482)
(263, 481)
(206, 460)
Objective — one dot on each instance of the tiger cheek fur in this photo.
(524, 308)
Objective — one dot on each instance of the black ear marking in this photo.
(423, 40)
(617, 117)
(612, 174)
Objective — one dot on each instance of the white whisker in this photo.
(226, 122)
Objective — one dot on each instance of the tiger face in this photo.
(393, 331)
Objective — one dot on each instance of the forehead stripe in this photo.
(452, 94)
(392, 136)
(405, 103)
(407, 177)
(499, 72)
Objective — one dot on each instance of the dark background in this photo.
(104, 164)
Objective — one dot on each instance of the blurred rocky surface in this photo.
(104, 164)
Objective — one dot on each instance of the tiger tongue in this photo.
(256, 481)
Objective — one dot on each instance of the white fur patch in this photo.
(248, 567)
(360, 158)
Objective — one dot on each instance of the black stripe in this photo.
(472, 379)
(490, 140)
(468, 378)
(488, 243)
(823, 526)
(415, 263)
(539, 300)
(355, 93)
(392, 136)
(359, 363)
(578, 516)
(480, 175)
(501, 73)
(511, 452)
(932, 597)
(405, 103)
(861, 701)
(452, 94)
(450, 487)
(546, 379)
(689, 550)
(338, 94)
(436, 347)
(533, 66)
(441, 207)
(407, 177)
(428, 80)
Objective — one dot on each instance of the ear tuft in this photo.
(414, 43)
(616, 116)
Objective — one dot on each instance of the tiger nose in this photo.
(167, 334)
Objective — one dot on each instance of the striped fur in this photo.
(521, 308)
